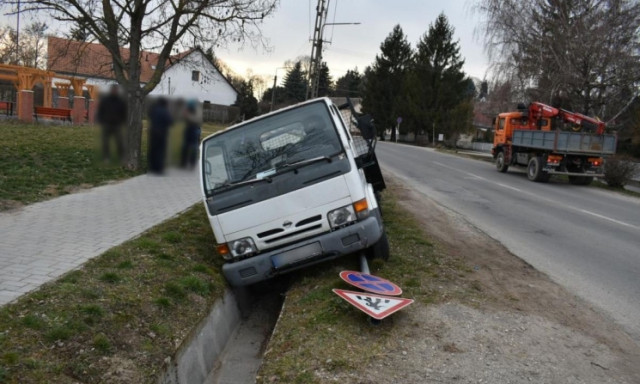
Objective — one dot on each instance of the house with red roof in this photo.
(188, 75)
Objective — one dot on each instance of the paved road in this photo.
(45, 240)
(586, 239)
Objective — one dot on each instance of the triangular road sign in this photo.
(375, 306)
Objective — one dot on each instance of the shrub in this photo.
(618, 170)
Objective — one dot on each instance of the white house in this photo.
(188, 75)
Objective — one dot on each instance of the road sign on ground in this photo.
(370, 283)
(375, 306)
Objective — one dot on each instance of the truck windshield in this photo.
(266, 147)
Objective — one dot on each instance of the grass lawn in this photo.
(318, 331)
(118, 317)
(39, 161)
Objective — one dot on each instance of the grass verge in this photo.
(319, 332)
(38, 161)
(118, 317)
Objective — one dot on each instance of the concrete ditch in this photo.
(227, 345)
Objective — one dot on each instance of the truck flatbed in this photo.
(566, 142)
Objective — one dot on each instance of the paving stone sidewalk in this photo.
(43, 241)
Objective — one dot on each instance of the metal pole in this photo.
(273, 91)
(434, 133)
(364, 266)
(18, 36)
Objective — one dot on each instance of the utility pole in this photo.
(316, 49)
(18, 36)
(273, 91)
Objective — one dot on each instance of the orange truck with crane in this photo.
(551, 141)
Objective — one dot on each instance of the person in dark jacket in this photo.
(111, 115)
(160, 121)
(191, 135)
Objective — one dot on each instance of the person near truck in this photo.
(111, 115)
(160, 121)
(191, 137)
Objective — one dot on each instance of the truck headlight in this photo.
(242, 247)
(341, 216)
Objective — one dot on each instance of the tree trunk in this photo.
(133, 149)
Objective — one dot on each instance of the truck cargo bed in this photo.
(566, 142)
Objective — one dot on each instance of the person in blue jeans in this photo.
(191, 135)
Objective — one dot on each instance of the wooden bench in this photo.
(7, 106)
(52, 113)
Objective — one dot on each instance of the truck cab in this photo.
(285, 191)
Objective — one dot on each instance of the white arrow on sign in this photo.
(375, 306)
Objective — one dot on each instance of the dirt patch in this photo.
(7, 205)
(524, 328)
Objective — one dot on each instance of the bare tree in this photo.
(155, 25)
(32, 45)
(580, 54)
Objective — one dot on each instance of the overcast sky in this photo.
(290, 29)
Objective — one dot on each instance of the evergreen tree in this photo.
(280, 95)
(438, 84)
(246, 101)
(384, 80)
(484, 90)
(295, 85)
(324, 81)
(349, 84)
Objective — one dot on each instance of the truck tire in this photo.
(379, 250)
(580, 180)
(535, 172)
(501, 164)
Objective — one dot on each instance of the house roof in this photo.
(94, 60)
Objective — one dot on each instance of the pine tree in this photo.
(384, 80)
(349, 84)
(246, 101)
(438, 71)
(295, 85)
(325, 86)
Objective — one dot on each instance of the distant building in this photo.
(188, 75)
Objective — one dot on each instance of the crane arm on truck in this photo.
(538, 110)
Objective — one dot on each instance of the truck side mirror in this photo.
(540, 123)
(207, 167)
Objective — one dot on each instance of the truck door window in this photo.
(215, 168)
(501, 124)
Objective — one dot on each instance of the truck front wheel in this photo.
(379, 250)
(535, 172)
(501, 163)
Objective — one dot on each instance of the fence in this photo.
(474, 146)
(220, 113)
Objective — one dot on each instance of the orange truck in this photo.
(551, 141)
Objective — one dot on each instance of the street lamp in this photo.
(317, 60)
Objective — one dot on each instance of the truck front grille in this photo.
(312, 228)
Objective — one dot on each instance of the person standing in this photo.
(191, 137)
(111, 115)
(160, 121)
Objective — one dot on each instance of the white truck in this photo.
(290, 189)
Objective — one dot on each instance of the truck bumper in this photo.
(327, 246)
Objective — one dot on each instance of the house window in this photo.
(195, 75)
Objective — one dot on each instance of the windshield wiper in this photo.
(297, 164)
(227, 185)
